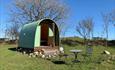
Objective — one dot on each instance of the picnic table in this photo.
(76, 54)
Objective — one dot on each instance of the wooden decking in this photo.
(47, 50)
(43, 50)
(46, 47)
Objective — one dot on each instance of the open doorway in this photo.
(44, 34)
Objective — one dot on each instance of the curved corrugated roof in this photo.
(27, 34)
(33, 24)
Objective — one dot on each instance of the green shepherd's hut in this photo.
(39, 34)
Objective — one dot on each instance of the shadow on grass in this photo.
(12, 49)
(59, 62)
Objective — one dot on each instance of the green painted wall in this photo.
(50, 32)
(37, 36)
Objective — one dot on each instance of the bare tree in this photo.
(112, 16)
(85, 29)
(12, 32)
(106, 26)
(26, 11)
(108, 18)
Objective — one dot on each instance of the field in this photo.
(12, 60)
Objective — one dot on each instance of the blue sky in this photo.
(78, 10)
(81, 9)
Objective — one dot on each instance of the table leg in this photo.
(76, 57)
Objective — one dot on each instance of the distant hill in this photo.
(72, 41)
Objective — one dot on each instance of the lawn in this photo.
(12, 60)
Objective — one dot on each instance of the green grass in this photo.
(12, 60)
